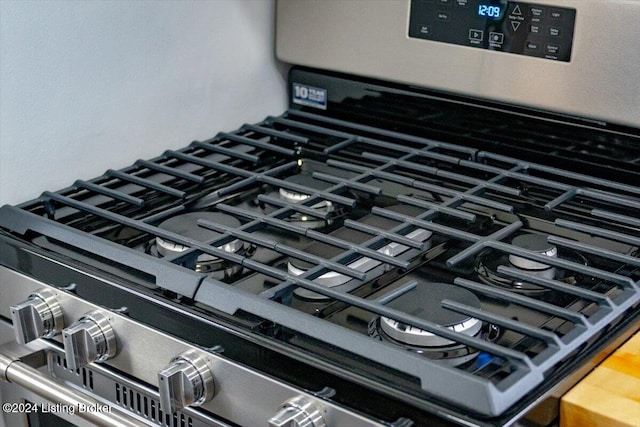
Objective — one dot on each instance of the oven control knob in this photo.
(298, 412)
(187, 381)
(90, 339)
(40, 316)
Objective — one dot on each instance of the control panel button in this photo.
(443, 15)
(476, 35)
(553, 49)
(444, 2)
(516, 17)
(535, 29)
(554, 31)
(556, 14)
(424, 29)
(537, 12)
(462, 3)
(532, 46)
(497, 38)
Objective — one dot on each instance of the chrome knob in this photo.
(40, 316)
(90, 339)
(298, 412)
(187, 381)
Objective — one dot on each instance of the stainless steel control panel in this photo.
(177, 374)
(514, 27)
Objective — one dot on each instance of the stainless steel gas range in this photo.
(442, 229)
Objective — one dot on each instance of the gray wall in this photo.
(87, 86)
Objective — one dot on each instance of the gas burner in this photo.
(424, 302)
(297, 267)
(489, 260)
(323, 207)
(306, 181)
(187, 226)
(536, 243)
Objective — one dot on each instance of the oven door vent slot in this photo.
(85, 375)
(149, 408)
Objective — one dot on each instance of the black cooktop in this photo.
(454, 256)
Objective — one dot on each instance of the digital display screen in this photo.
(489, 11)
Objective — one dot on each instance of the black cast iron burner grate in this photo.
(452, 187)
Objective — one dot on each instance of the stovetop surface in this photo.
(437, 269)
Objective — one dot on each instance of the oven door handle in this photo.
(16, 372)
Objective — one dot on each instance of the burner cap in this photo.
(307, 181)
(297, 267)
(320, 249)
(424, 302)
(187, 225)
(535, 243)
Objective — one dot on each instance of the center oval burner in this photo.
(372, 267)
(425, 302)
